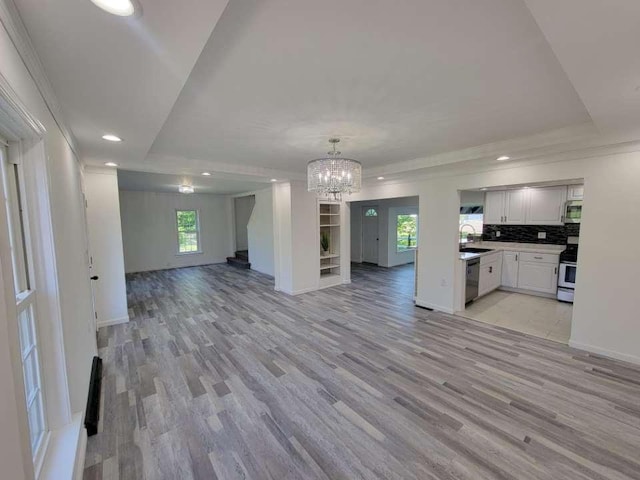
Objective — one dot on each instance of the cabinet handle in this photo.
(516, 257)
(555, 271)
(538, 258)
(490, 269)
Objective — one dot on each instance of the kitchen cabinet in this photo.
(493, 208)
(505, 207)
(545, 205)
(490, 273)
(575, 192)
(509, 269)
(538, 272)
(515, 207)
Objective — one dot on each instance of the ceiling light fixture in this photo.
(206, 174)
(274, 180)
(334, 175)
(111, 138)
(121, 8)
(111, 164)
(503, 158)
(185, 189)
(484, 189)
(380, 178)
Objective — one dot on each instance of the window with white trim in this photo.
(188, 225)
(25, 291)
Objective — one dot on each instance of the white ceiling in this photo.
(158, 182)
(256, 88)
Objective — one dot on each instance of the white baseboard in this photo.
(112, 321)
(625, 357)
(78, 468)
(432, 306)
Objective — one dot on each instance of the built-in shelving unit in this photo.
(329, 224)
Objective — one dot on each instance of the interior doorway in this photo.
(384, 242)
(243, 206)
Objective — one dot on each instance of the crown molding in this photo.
(13, 24)
(174, 165)
(16, 123)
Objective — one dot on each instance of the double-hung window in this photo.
(21, 259)
(188, 223)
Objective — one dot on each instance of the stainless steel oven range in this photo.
(567, 271)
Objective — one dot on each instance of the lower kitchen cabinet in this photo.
(510, 269)
(538, 276)
(490, 273)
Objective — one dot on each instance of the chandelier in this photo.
(333, 175)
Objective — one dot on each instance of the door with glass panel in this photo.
(21, 259)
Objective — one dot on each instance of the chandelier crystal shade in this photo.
(333, 175)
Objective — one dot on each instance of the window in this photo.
(188, 231)
(25, 300)
(372, 212)
(407, 232)
(470, 223)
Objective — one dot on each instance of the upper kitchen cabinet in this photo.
(515, 207)
(505, 207)
(494, 208)
(575, 192)
(545, 205)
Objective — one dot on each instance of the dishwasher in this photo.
(472, 280)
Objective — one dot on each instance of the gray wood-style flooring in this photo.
(219, 376)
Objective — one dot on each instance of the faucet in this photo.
(467, 225)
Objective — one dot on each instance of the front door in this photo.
(370, 235)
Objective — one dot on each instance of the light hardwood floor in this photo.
(218, 376)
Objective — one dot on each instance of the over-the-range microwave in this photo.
(573, 211)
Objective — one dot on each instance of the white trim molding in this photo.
(605, 352)
(13, 24)
(112, 321)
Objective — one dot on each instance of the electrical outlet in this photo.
(542, 235)
(443, 282)
(498, 234)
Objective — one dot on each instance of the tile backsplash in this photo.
(556, 234)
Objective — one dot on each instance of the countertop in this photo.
(511, 247)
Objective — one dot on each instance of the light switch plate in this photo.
(542, 235)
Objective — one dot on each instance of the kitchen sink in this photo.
(475, 250)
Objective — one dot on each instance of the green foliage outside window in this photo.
(187, 231)
(407, 232)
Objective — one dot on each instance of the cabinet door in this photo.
(515, 206)
(510, 269)
(546, 206)
(489, 278)
(493, 208)
(538, 276)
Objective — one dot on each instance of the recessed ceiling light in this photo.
(206, 174)
(122, 8)
(503, 158)
(274, 179)
(380, 178)
(185, 189)
(526, 187)
(483, 189)
(111, 138)
(111, 164)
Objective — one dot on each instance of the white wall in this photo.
(243, 206)
(105, 244)
(72, 292)
(388, 209)
(149, 231)
(260, 232)
(605, 315)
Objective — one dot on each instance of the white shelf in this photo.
(331, 255)
(329, 266)
(329, 214)
(331, 225)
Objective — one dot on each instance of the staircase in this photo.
(241, 260)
